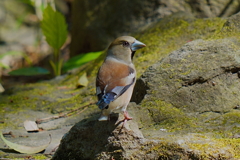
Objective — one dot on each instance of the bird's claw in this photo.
(126, 118)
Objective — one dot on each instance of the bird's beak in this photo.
(137, 45)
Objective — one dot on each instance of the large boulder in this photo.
(201, 76)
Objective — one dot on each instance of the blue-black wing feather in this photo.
(105, 99)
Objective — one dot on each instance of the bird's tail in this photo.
(105, 100)
(102, 104)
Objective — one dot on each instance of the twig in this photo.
(10, 133)
(39, 121)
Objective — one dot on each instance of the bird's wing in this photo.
(112, 81)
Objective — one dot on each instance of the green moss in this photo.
(166, 150)
(44, 96)
(204, 150)
(164, 115)
(231, 118)
(33, 157)
(39, 157)
(194, 146)
(198, 146)
(208, 150)
(170, 34)
(234, 145)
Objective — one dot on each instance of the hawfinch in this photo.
(117, 76)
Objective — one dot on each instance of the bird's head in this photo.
(123, 48)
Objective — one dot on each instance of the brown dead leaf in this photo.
(83, 81)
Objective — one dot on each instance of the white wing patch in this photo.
(117, 90)
(98, 90)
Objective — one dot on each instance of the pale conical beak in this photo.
(137, 45)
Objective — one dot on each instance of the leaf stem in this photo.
(57, 62)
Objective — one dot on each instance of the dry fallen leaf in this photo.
(83, 81)
(22, 148)
(30, 125)
(1, 88)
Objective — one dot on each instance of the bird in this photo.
(116, 77)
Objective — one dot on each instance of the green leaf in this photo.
(54, 27)
(81, 59)
(22, 148)
(31, 71)
(1, 88)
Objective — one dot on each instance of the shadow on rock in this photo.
(91, 139)
(88, 137)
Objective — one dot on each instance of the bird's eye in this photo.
(125, 44)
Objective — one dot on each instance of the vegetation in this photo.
(54, 29)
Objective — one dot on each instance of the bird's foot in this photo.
(126, 117)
